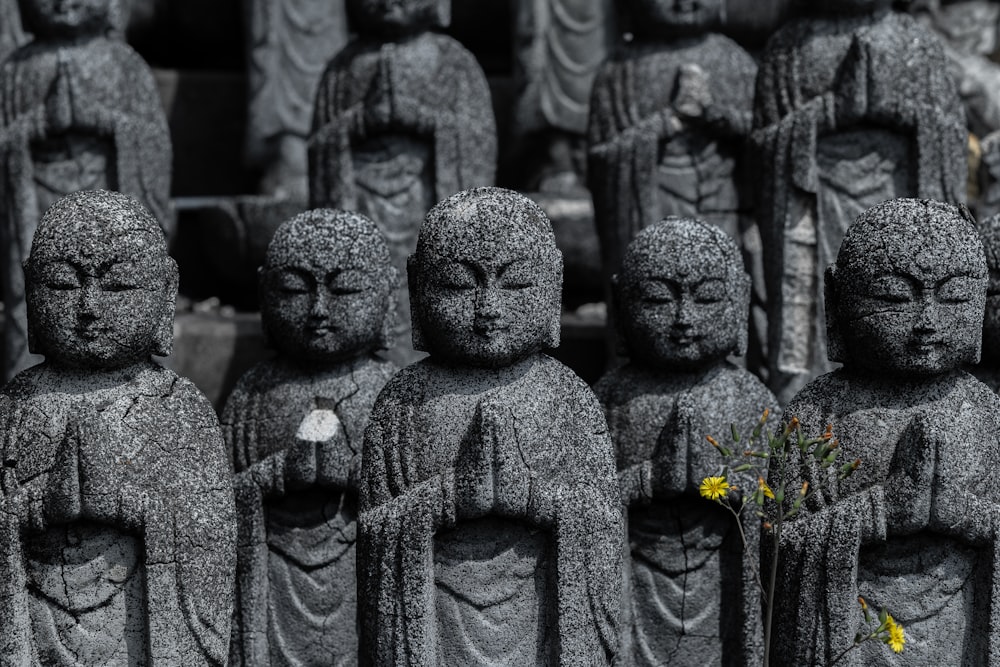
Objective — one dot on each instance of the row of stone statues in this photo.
(854, 103)
(483, 505)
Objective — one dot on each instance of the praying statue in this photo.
(118, 541)
(915, 529)
(294, 426)
(490, 528)
(402, 120)
(682, 301)
(855, 105)
(79, 110)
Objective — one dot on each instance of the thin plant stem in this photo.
(770, 592)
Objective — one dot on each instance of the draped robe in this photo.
(541, 587)
(118, 522)
(692, 591)
(930, 556)
(296, 588)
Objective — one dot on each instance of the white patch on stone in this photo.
(319, 426)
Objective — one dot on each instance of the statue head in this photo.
(672, 17)
(63, 19)
(989, 231)
(907, 293)
(327, 288)
(682, 297)
(99, 285)
(390, 19)
(485, 280)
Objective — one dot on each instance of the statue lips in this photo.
(91, 331)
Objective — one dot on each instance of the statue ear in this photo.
(836, 349)
(163, 340)
(443, 13)
(742, 307)
(552, 338)
(413, 275)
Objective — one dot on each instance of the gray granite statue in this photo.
(78, 111)
(294, 426)
(682, 302)
(403, 119)
(491, 529)
(558, 47)
(289, 44)
(915, 529)
(668, 118)
(855, 105)
(118, 542)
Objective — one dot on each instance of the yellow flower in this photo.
(714, 488)
(762, 485)
(896, 636)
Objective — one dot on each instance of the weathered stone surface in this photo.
(915, 528)
(855, 105)
(11, 34)
(668, 120)
(490, 520)
(294, 426)
(402, 120)
(119, 533)
(682, 300)
(78, 111)
(290, 43)
(558, 47)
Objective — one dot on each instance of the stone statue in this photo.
(491, 529)
(78, 111)
(558, 47)
(915, 529)
(290, 42)
(118, 529)
(403, 119)
(855, 105)
(294, 426)
(682, 303)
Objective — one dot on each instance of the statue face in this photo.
(674, 14)
(325, 294)
(918, 310)
(394, 16)
(67, 18)
(680, 300)
(98, 300)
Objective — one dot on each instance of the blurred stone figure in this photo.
(290, 43)
(11, 34)
(915, 529)
(558, 47)
(403, 119)
(855, 104)
(78, 110)
(294, 427)
(116, 508)
(682, 303)
(491, 529)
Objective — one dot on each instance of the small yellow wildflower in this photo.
(714, 488)
(762, 485)
(712, 441)
(862, 602)
(896, 636)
